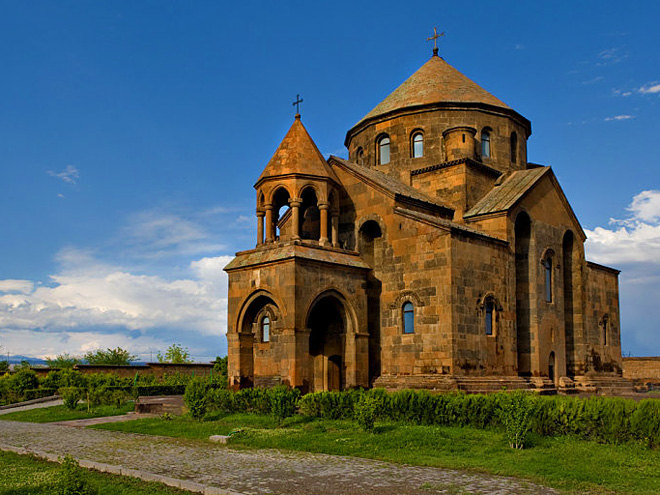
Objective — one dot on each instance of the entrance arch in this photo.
(328, 322)
(551, 367)
(250, 329)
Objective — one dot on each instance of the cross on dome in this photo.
(435, 40)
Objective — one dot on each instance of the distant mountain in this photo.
(17, 359)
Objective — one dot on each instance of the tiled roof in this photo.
(388, 183)
(435, 82)
(297, 154)
(288, 251)
(504, 196)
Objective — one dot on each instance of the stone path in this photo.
(37, 405)
(255, 472)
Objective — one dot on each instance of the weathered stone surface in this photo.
(478, 250)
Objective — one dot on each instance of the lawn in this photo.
(26, 475)
(571, 465)
(61, 413)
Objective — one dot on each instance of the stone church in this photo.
(436, 256)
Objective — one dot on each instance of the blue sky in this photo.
(131, 134)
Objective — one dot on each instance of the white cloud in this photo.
(70, 174)
(20, 286)
(635, 239)
(650, 88)
(155, 234)
(87, 294)
(632, 244)
(619, 117)
(611, 56)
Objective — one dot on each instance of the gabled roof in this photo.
(390, 185)
(506, 195)
(435, 81)
(297, 154)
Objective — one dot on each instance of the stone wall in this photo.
(433, 123)
(156, 369)
(642, 370)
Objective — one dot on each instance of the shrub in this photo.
(516, 416)
(71, 479)
(220, 400)
(645, 422)
(365, 411)
(23, 380)
(71, 396)
(283, 401)
(195, 397)
(38, 393)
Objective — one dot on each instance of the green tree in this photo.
(175, 354)
(117, 356)
(4, 364)
(63, 361)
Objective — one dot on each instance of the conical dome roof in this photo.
(297, 154)
(435, 82)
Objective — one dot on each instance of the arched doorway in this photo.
(251, 331)
(327, 342)
(551, 367)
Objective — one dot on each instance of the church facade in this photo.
(436, 256)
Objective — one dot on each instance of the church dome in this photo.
(435, 82)
(405, 131)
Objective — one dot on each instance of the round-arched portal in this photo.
(327, 341)
(551, 367)
(250, 332)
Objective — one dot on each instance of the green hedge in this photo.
(38, 393)
(602, 419)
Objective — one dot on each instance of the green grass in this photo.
(61, 413)
(571, 465)
(26, 475)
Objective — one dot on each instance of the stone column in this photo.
(335, 228)
(269, 223)
(260, 227)
(295, 218)
(323, 239)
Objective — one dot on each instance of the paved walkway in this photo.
(255, 472)
(37, 405)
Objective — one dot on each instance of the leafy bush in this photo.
(23, 380)
(38, 393)
(71, 479)
(221, 400)
(283, 401)
(195, 397)
(516, 416)
(365, 411)
(71, 396)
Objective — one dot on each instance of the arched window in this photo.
(489, 311)
(485, 144)
(384, 150)
(547, 264)
(408, 317)
(359, 156)
(514, 147)
(418, 145)
(605, 326)
(265, 329)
